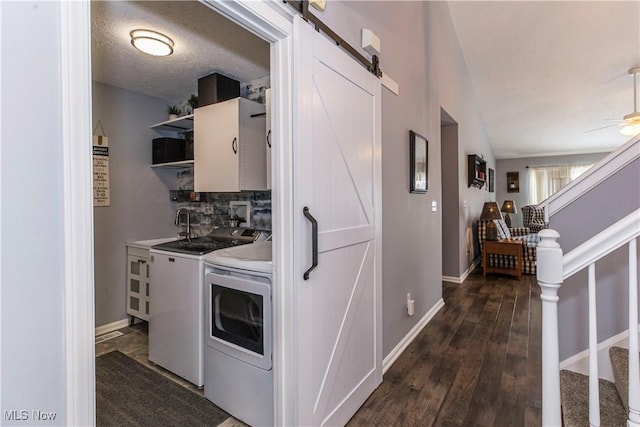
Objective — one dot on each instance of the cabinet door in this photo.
(217, 147)
(138, 287)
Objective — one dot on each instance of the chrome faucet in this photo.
(187, 233)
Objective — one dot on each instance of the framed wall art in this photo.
(419, 162)
(513, 182)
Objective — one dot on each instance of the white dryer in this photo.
(238, 368)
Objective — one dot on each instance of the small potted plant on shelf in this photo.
(174, 112)
(193, 102)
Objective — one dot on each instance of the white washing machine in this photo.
(176, 308)
(238, 368)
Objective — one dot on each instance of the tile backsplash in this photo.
(212, 209)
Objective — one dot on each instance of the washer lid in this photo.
(253, 257)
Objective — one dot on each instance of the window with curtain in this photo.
(544, 181)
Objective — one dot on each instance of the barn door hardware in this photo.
(303, 8)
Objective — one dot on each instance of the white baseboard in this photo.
(580, 362)
(110, 327)
(464, 276)
(411, 335)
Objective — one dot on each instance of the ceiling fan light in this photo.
(631, 130)
(151, 42)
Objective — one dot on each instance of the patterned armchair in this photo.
(520, 233)
(533, 217)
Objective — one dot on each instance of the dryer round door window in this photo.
(239, 315)
(238, 318)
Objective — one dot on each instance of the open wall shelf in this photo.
(477, 171)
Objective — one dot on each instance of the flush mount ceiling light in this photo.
(151, 42)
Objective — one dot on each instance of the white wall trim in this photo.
(110, 327)
(579, 362)
(271, 21)
(603, 243)
(594, 176)
(75, 85)
(410, 336)
(464, 276)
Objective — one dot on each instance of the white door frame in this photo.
(270, 20)
(75, 85)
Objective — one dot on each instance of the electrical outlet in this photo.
(411, 309)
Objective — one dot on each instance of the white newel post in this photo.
(549, 275)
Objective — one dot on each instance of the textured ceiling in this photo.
(205, 42)
(546, 72)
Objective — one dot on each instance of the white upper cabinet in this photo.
(229, 143)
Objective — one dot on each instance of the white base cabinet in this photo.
(138, 282)
(229, 154)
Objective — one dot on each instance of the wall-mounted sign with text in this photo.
(101, 171)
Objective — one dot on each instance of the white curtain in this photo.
(544, 181)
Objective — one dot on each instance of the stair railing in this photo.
(603, 169)
(552, 269)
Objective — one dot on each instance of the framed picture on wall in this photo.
(419, 161)
(513, 182)
(491, 178)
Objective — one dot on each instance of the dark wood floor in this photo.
(477, 363)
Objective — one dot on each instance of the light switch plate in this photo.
(434, 206)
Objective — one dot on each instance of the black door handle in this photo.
(314, 242)
(269, 138)
(234, 145)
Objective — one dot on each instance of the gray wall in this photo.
(32, 257)
(601, 207)
(420, 51)
(520, 165)
(140, 207)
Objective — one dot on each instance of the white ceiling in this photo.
(544, 72)
(205, 42)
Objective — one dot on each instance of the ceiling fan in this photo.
(631, 121)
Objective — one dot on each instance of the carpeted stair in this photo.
(620, 362)
(574, 391)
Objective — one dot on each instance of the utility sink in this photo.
(197, 246)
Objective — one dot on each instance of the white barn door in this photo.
(337, 177)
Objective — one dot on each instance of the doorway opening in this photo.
(132, 94)
(449, 155)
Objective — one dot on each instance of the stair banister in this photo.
(634, 363)
(602, 244)
(553, 268)
(594, 389)
(549, 275)
(602, 170)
